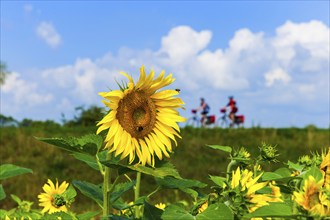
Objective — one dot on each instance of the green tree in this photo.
(86, 117)
(3, 72)
(7, 121)
(26, 122)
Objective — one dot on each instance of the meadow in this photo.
(192, 158)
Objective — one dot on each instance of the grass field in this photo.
(192, 158)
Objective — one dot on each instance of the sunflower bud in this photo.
(305, 160)
(268, 153)
(59, 201)
(242, 156)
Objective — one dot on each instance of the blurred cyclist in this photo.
(233, 109)
(204, 108)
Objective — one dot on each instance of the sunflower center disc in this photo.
(136, 113)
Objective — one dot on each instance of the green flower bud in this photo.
(59, 201)
(268, 153)
(306, 160)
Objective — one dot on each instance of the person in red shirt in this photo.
(233, 109)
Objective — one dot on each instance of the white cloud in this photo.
(183, 42)
(312, 37)
(25, 94)
(277, 75)
(79, 80)
(265, 72)
(48, 33)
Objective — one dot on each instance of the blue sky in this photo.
(273, 56)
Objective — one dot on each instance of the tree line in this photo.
(83, 117)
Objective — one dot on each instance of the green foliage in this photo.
(315, 172)
(216, 211)
(162, 170)
(23, 210)
(151, 212)
(57, 215)
(206, 167)
(2, 192)
(90, 160)
(3, 72)
(120, 189)
(7, 121)
(274, 210)
(87, 215)
(85, 117)
(48, 124)
(222, 148)
(90, 190)
(177, 212)
(88, 144)
(10, 170)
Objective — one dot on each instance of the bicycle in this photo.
(193, 121)
(225, 122)
(196, 121)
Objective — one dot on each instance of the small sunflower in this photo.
(52, 199)
(275, 195)
(325, 168)
(313, 197)
(161, 206)
(248, 186)
(203, 207)
(142, 121)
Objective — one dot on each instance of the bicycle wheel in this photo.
(192, 122)
(222, 123)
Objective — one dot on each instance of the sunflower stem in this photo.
(106, 186)
(153, 192)
(100, 165)
(137, 194)
(229, 168)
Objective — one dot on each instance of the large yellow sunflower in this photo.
(52, 199)
(313, 198)
(142, 121)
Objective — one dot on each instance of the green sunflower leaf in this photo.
(2, 192)
(185, 185)
(151, 212)
(120, 189)
(222, 148)
(216, 211)
(164, 169)
(70, 194)
(315, 172)
(118, 217)
(271, 176)
(273, 210)
(281, 175)
(88, 159)
(88, 144)
(173, 183)
(176, 212)
(56, 215)
(90, 190)
(284, 172)
(220, 181)
(87, 215)
(16, 199)
(295, 166)
(10, 170)
(120, 204)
